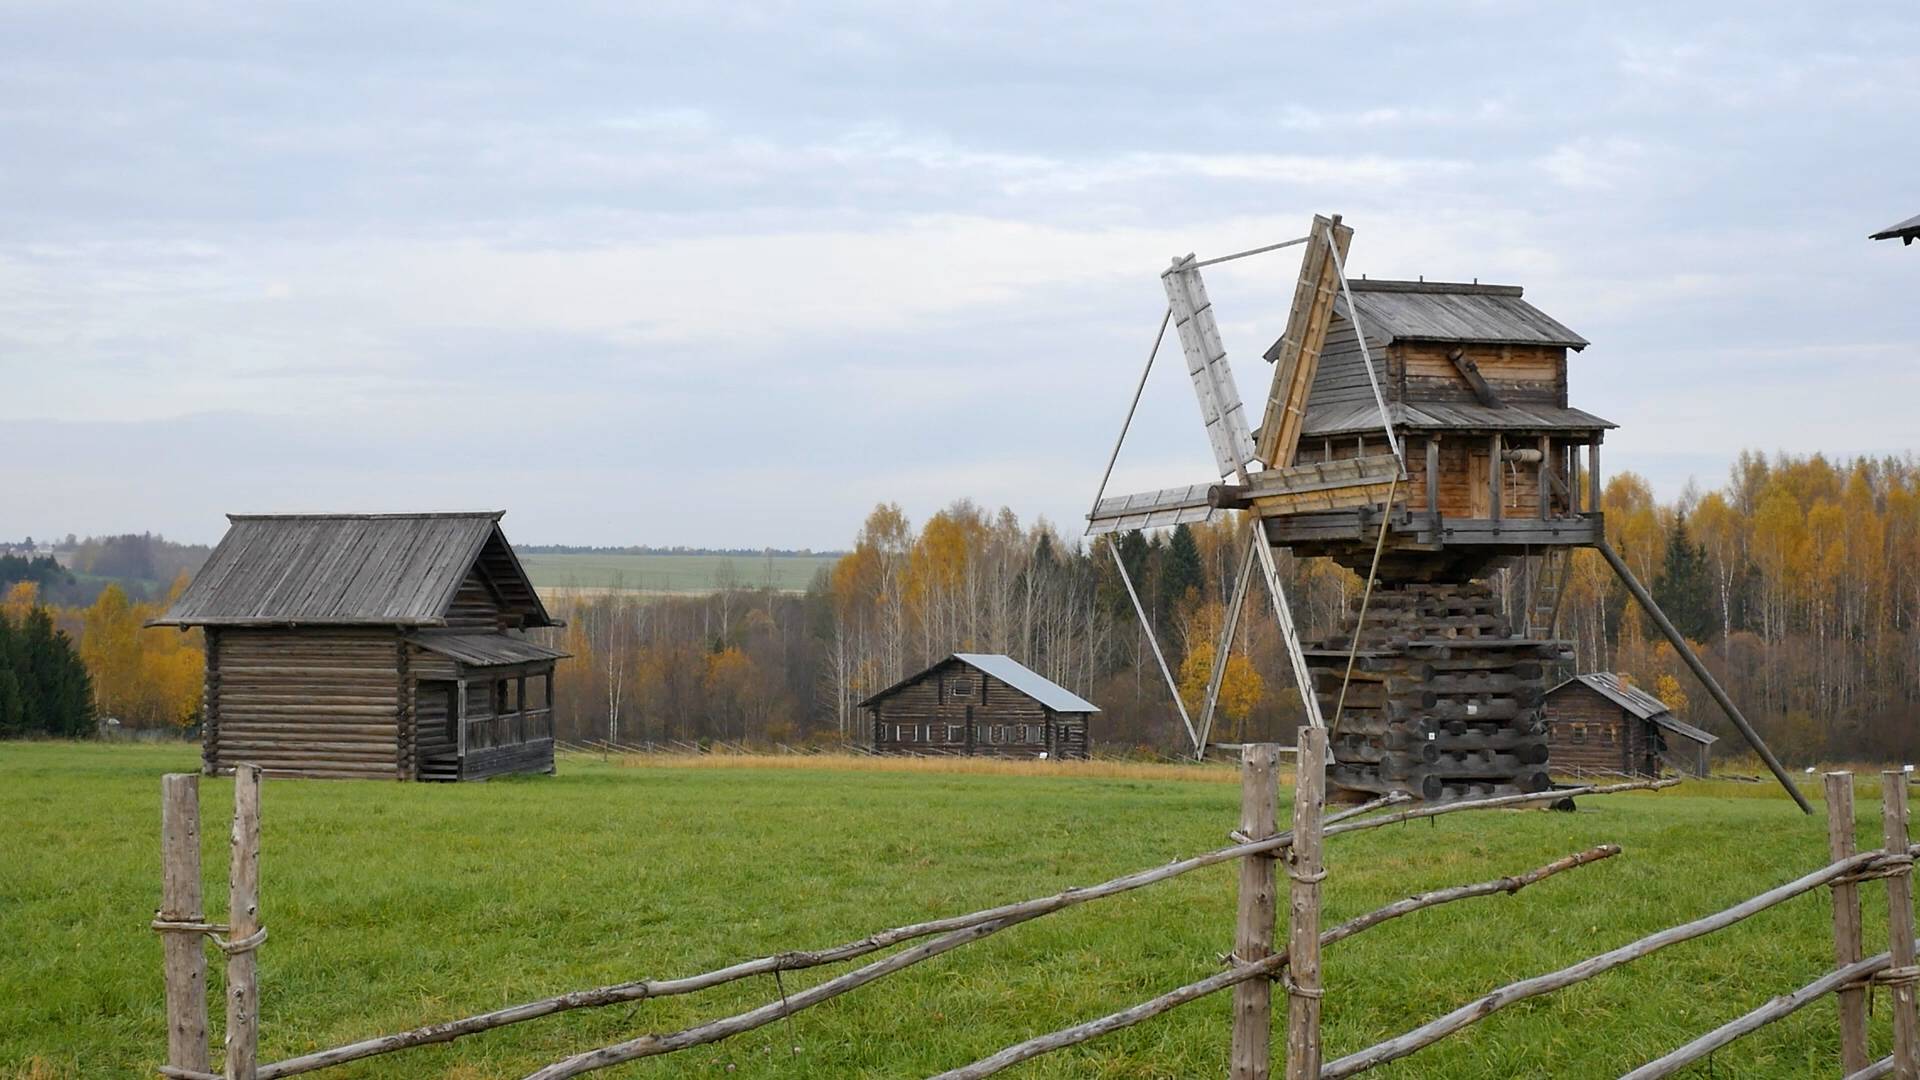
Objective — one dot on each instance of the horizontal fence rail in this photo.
(924, 941)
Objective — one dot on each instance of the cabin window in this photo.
(1579, 733)
(960, 688)
(955, 733)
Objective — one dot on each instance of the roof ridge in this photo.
(1474, 288)
(349, 516)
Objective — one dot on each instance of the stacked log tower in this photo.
(1444, 701)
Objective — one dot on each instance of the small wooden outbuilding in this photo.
(979, 704)
(371, 645)
(1598, 724)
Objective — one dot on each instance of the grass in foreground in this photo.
(392, 905)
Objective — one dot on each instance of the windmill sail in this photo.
(1296, 355)
(1213, 384)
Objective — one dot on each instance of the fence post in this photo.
(1906, 1020)
(1303, 924)
(243, 928)
(1253, 936)
(186, 959)
(1847, 947)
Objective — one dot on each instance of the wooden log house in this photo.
(979, 705)
(386, 646)
(1599, 724)
(1475, 380)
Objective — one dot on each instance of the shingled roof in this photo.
(1451, 311)
(353, 569)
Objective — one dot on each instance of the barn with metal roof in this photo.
(980, 704)
(387, 646)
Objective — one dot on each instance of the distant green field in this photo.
(674, 573)
(392, 905)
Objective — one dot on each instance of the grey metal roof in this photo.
(1906, 231)
(1638, 702)
(1014, 674)
(347, 569)
(1361, 417)
(484, 649)
(1027, 681)
(1451, 311)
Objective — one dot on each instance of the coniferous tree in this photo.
(1684, 587)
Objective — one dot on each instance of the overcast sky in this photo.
(730, 274)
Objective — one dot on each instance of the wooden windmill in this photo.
(1418, 433)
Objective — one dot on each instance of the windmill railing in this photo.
(1257, 962)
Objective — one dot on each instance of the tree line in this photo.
(1798, 581)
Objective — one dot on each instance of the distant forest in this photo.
(1799, 578)
(144, 565)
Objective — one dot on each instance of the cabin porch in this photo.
(485, 712)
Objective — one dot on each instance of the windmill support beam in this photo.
(1283, 613)
(1680, 645)
(1146, 625)
(1230, 627)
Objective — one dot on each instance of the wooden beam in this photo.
(243, 923)
(1252, 1051)
(1470, 371)
(1593, 476)
(186, 959)
(1847, 947)
(1305, 868)
(1906, 1016)
(1493, 476)
(1296, 356)
(1433, 475)
(1681, 646)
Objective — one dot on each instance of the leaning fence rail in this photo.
(1254, 965)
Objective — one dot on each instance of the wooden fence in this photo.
(1255, 966)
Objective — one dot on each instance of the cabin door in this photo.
(436, 742)
(1479, 479)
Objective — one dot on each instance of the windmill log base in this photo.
(1444, 701)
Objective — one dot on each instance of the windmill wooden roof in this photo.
(1452, 311)
(1906, 231)
(1361, 417)
(353, 569)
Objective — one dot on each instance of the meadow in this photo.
(391, 905)
(673, 573)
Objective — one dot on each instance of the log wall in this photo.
(1520, 374)
(1588, 732)
(321, 702)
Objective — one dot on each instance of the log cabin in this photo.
(389, 646)
(1599, 724)
(979, 705)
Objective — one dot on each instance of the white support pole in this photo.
(1146, 625)
(1133, 407)
(1284, 614)
(1230, 628)
(1366, 355)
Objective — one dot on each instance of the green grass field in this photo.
(392, 905)
(673, 573)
